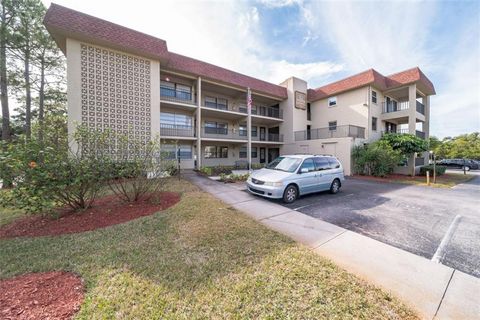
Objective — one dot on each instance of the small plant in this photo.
(230, 178)
(439, 170)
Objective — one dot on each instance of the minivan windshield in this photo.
(286, 164)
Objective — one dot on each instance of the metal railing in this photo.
(418, 133)
(330, 132)
(268, 112)
(169, 94)
(273, 137)
(262, 111)
(394, 106)
(173, 130)
(420, 108)
(222, 133)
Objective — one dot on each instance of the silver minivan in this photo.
(288, 177)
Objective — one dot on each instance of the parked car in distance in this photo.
(466, 164)
(290, 176)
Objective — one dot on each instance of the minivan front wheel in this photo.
(335, 187)
(290, 194)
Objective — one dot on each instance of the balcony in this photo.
(172, 130)
(418, 133)
(271, 137)
(222, 134)
(331, 132)
(394, 106)
(169, 94)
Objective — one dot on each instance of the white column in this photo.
(412, 120)
(249, 133)
(412, 111)
(199, 123)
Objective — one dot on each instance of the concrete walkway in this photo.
(434, 290)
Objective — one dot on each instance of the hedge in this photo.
(438, 169)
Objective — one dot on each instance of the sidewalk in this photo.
(434, 290)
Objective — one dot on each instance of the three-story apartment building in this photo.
(127, 81)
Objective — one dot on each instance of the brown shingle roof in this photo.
(374, 78)
(63, 22)
(206, 70)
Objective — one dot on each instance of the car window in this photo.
(284, 164)
(334, 164)
(308, 164)
(322, 163)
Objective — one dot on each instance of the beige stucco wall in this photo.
(338, 147)
(351, 108)
(295, 119)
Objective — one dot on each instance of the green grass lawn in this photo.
(200, 259)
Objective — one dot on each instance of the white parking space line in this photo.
(438, 256)
(314, 203)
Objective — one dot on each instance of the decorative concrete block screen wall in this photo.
(115, 92)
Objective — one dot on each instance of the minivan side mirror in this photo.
(304, 170)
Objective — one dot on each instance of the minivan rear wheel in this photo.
(335, 187)
(290, 194)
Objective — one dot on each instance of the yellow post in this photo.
(428, 178)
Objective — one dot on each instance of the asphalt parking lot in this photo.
(413, 218)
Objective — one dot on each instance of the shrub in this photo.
(207, 170)
(233, 177)
(377, 159)
(439, 170)
(45, 177)
(142, 167)
(256, 166)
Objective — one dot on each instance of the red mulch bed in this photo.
(48, 295)
(105, 212)
(390, 178)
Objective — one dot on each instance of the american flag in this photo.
(249, 100)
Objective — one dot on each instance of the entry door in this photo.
(273, 153)
(262, 133)
(262, 155)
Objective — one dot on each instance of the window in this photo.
(254, 152)
(308, 164)
(175, 90)
(309, 112)
(185, 151)
(217, 103)
(171, 151)
(168, 151)
(374, 96)
(243, 152)
(242, 130)
(213, 127)
(332, 101)
(321, 163)
(334, 164)
(374, 124)
(332, 125)
(213, 152)
(254, 131)
(175, 119)
(309, 132)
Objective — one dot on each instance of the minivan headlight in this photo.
(273, 184)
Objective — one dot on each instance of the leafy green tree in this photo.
(465, 146)
(407, 144)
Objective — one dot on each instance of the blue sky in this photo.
(323, 41)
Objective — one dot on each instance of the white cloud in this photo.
(389, 37)
(225, 33)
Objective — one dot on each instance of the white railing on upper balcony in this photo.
(394, 106)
